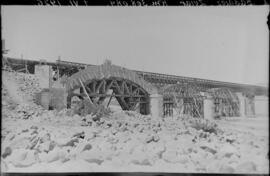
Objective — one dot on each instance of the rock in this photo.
(228, 150)
(33, 143)
(45, 137)
(199, 158)
(209, 149)
(140, 158)
(72, 142)
(25, 131)
(22, 158)
(46, 146)
(4, 166)
(170, 156)
(213, 166)
(226, 169)
(7, 152)
(231, 138)
(19, 142)
(246, 167)
(87, 147)
(155, 149)
(183, 159)
(34, 127)
(92, 156)
(54, 155)
(18, 155)
(79, 135)
(82, 146)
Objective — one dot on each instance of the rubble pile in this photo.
(26, 84)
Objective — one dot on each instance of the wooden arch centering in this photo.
(127, 87)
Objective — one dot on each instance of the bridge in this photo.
(147, 92)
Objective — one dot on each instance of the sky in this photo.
(223, 43)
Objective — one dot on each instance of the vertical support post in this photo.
(110, 99)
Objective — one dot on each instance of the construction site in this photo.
(75, 117)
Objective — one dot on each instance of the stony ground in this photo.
(36, 140)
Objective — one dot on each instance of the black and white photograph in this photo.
(150, 89)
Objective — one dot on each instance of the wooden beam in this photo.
(94, 85)
(85, 92)
(117, 87)
(110, 99)
(104, 87)
(100, 84)
(126, 87)
(89, 90)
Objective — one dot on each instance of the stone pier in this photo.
(44, 75)
(208, 108)
(49, 97)
(156, 105)
(242, 106)
(261, 105)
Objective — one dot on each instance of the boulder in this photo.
(4, 166)
(246, 167)
(226, 169)
(209, 149)
(46, 146)
(20, 142)
(7, 152)
(170, 156)
(22, 158)
(140, 158)
(92, 156)
(228, 150)
(54, 155)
